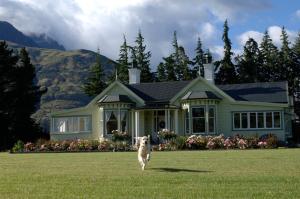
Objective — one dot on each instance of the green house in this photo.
(185, 107)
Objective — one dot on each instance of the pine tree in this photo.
(198, 60)
(270, 59)
(123, 62)
(95, 83)
(27, 99)
(248, 63)
(142, 58)
(8, 61)
(161, 72)
(226, 73)
(184, 64)
(296, 60)
(169, 67)
(176, 58)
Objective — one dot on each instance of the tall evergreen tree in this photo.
(142, 58)
(226, 69)
(8, 61)
(95, 83)
(27, 99)
(184, 64)
(161, 72)
(176, 58)
(288, 65)
(198, 60)
(169, 67)
(269, 55)
(248, 63)
(296, 60)
(123, 62)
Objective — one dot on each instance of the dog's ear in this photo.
(148, 137)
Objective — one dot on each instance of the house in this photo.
(198, 106)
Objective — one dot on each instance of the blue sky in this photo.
(88, 24)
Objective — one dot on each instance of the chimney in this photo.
(209, 68)
(134, 75)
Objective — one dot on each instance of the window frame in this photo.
(71, 130)
(119, 119)
(206, 119)
(257, 113)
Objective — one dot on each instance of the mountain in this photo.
(63, 74)
(44, 41)
(9, 33)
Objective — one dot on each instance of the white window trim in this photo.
(118, 116)
(88, 130)
(256, 113)
(206, 118)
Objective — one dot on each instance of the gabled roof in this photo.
(158, 91)
(115, 98)
(200, 95)
(272, 92)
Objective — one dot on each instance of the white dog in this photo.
(144, 151)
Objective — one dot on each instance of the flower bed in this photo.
(192, 142)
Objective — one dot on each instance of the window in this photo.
(124, 121)
(116, 120)
(211, 119)
(187, 122)
(237, 120)
(203, 119)
(72, 124)
(198, 115)
(277, 121)
(257, 120)
(253, 123)
(111, 121)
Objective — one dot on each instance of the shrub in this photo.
(229, 143)
(180, 142)
(29, 147)
(120, 136)
(18, 147)
(166, 134)
(196, 142)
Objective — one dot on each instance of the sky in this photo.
(89, 24)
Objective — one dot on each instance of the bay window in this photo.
(202, 119)
(116, 120)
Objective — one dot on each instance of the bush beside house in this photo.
(121, 142)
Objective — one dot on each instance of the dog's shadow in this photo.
(176, 170)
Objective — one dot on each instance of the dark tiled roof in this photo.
(200, 95)
(275, 92)
(115, 98)
(158, 91)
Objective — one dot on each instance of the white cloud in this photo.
(243, 38)
(91, 23)
(275, 32)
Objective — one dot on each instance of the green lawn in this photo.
(187, 174)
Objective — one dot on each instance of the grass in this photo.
(185, 174)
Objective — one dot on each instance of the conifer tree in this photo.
(198, 60)
(123, 62)
(142, 58)
(169, 68)
(184, 64)
(269, 55)
(248, 63)
(95, 83)
(226, 69)
(27, 99)
(296, 60)
(176, 58)
(8, 61)
(161, 72)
